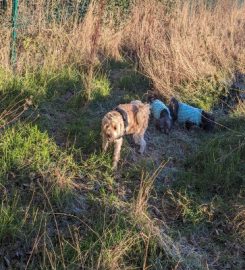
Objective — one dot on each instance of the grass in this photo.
(220, 160)
(42, 84)
(181, 205)
(29, 151)
(206, 92)
(206, 195)
(101, 88)
(134, 82)
(61, 191)
(10, 214)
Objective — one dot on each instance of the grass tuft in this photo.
(27, 152)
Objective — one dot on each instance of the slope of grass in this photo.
(207, 199)
(65, 208)
(181, 205)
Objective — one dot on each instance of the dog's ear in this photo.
(173, 108)
(208, 121)
(151, 96)
(168, 123)
(164, 122)
(163, 113)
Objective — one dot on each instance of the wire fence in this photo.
(24, 18)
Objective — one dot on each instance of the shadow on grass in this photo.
(217, 168)
(204, 199)
(58, 105)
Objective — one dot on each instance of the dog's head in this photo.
(112, 126)
(164, 123)
(174, 108)
(208, 121)
(151, 96)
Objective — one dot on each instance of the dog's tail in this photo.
(136, 102)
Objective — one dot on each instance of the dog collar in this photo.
(124, 117)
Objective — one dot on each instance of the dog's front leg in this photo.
(105, 144)
(117, 150)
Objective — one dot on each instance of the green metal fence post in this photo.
(4, 5)
(15, 4)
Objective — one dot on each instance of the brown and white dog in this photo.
(125, 119)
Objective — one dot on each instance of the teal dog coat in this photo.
(189, 113)
(157, 106)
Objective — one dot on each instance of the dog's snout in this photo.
(109, 136)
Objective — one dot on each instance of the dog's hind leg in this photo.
(139, 139)
(136, 138)
(117, 150)
(142, 143)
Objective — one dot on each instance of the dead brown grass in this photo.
(188, 43)
(172, 46)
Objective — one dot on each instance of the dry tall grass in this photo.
(190, 42)
(172, 46)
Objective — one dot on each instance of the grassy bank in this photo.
(181, 205)
(64, 208)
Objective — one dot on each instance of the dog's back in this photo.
(138, 115)
(187, 114)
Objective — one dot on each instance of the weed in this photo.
(186, 207)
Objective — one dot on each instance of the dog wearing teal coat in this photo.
(162, 116)
(190, 116)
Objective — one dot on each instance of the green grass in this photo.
(10, 224)
(204, 199)
(29, 153)
(218, 166)
(101, 88)
(25, 146)
(42, 84)
(204, 93)
(135, 82)
(59, 190)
